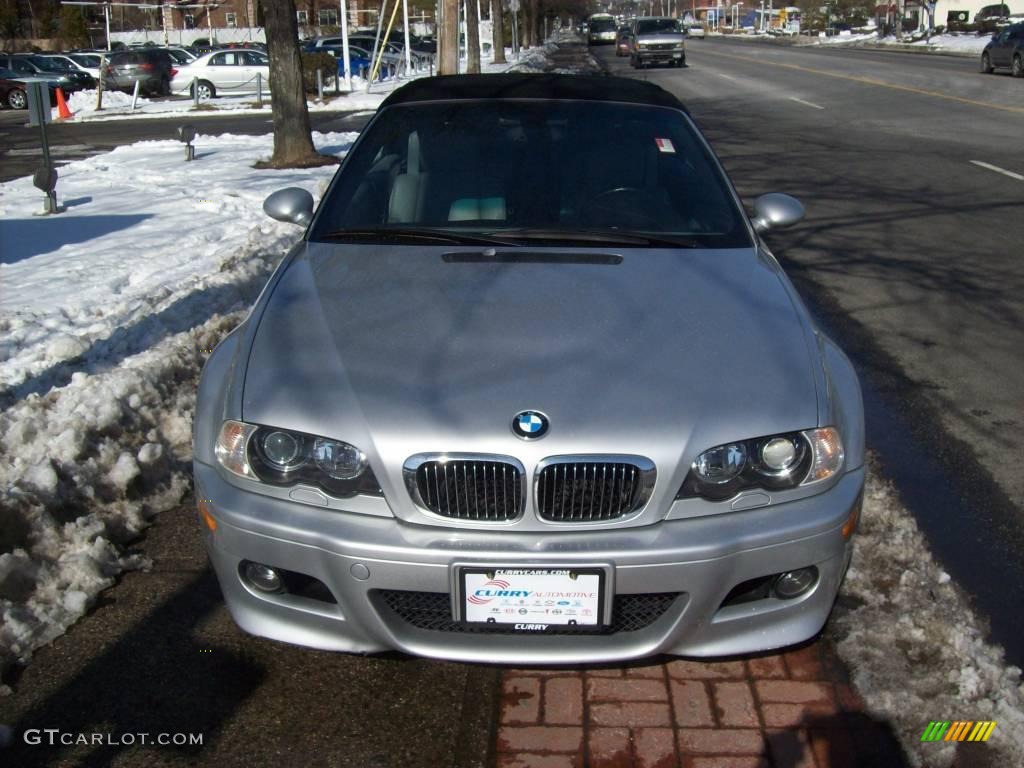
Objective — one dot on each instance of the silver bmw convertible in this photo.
(531, 388)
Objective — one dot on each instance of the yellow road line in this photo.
(870, 81)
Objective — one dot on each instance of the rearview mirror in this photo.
(775, 211)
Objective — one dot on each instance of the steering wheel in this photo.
(621, 206)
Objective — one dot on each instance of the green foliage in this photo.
(311, 62)
(72, 29)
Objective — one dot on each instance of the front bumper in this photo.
(365, 560)
(660, 57)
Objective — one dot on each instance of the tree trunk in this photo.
(498, 24)
(293, 142)
(449, 64)
(526, 7)
(472, 38)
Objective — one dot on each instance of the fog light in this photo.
(263, 577)
(795, 583)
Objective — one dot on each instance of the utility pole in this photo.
(449, 42)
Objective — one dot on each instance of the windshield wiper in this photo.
(595, 236)
(407, 235)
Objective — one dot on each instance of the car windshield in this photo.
(87, 59)
(533, 170)
(651, 26)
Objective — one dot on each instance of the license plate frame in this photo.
(495, 613)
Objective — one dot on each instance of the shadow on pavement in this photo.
(851, 739)
(155, 679)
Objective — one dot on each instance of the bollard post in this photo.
(320, 84)
(135, 94)
(195, 91)
(259, 89)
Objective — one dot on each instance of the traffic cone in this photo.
(62, 106)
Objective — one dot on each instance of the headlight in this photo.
(641, 46)
(775, 462)
(285, 458)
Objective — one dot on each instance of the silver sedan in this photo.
(530, 389)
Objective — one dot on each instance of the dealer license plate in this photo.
(533, 598)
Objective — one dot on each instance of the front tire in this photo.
(17, 99)
(986, 64)
(1018, 65)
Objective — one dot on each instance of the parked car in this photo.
(1005, 50)
(78, 61)
(12, 89)
(393, 56)
(181, 55)
(504, 402)
(31, 64)
(358, 58)
(224, 73)
(152, 68)
(990, 13)
(657, 40)
(696, 30)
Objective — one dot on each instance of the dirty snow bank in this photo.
(108, 312)
(916, 649)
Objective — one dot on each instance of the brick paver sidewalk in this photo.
(785, 710)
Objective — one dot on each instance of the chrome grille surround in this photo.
(592, 488)
(487, 488)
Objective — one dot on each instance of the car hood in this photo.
(402, 351)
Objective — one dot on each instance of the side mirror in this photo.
(775, 210)
(293, 205)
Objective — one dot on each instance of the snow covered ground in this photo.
(106, 316)
(950, 43)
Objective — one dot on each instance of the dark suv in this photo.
(151, 68)
(1005, 49)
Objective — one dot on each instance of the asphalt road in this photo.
(911, 168)
(21, 154)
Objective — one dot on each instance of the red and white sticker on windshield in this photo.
(665, 145)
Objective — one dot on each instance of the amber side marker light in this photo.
(211, 523)
(851, 522)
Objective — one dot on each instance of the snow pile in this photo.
(81, 102)
(916, 649)
(107, 314)
(534, 59)
(966, 43)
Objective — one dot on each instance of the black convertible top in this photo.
(533, 86)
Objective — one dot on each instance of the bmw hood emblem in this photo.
(530, 425)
